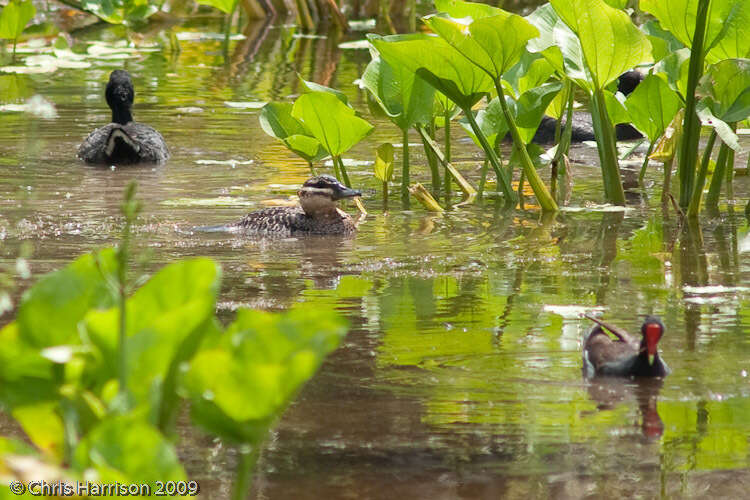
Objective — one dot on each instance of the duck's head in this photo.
(120, 94)
(319, 194)
(652, 330)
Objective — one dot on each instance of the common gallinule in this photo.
(624, 356)
(124, 140)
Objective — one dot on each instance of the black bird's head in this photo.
(652, 330)
(319, 194)
(120, 94)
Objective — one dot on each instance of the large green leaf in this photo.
(724, 93)
(316, 87)
(611, 43)
(527, 111)
(333, 123)
(652, 106)
(438, 63)
(226, 6)
(557, 43)
(676, 67)
(725, 88)
(129, 450)
(14, 18)
(166, 319)
(530, 72)
(247, 378)
(458, 9)
(531, 106)
(663, 42)
(50, 310)
(405, 97)
(277, 121)
(384, 162)
(493, 43)
(727, 32)
(120, 11)
(19, 360)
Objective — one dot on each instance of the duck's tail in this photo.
(121, 145)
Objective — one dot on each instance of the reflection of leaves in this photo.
(644, 252)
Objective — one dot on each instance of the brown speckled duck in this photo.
(624, 356)
(316, 214)
(123, 141)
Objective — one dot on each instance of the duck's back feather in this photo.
(133, 142)
(292, 221)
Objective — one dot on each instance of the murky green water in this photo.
(460, 376)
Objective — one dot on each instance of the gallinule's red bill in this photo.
(624, 356)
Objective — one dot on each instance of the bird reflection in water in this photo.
(608, 392)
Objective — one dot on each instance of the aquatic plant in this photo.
(13, 20)
(95, 374)
(494, 41)
(605, 44)
(277, 121)
(713, 32)
(434, 60)
(406, 99)
(122, 11)
(724, 93)
(384, 168)
(318, 124)
(651, 107)
(334, 124)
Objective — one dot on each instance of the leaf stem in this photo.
(540, 190)
(607, 147)
(447, 127)
(691, 125)
(247, 458)
(342, 170)
(503, 180)
(642, 173)
(405, 167)
(718, 177)
(700, 181)
(432, 160)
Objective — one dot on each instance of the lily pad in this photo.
(245, 105)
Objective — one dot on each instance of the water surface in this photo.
(460, 376)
